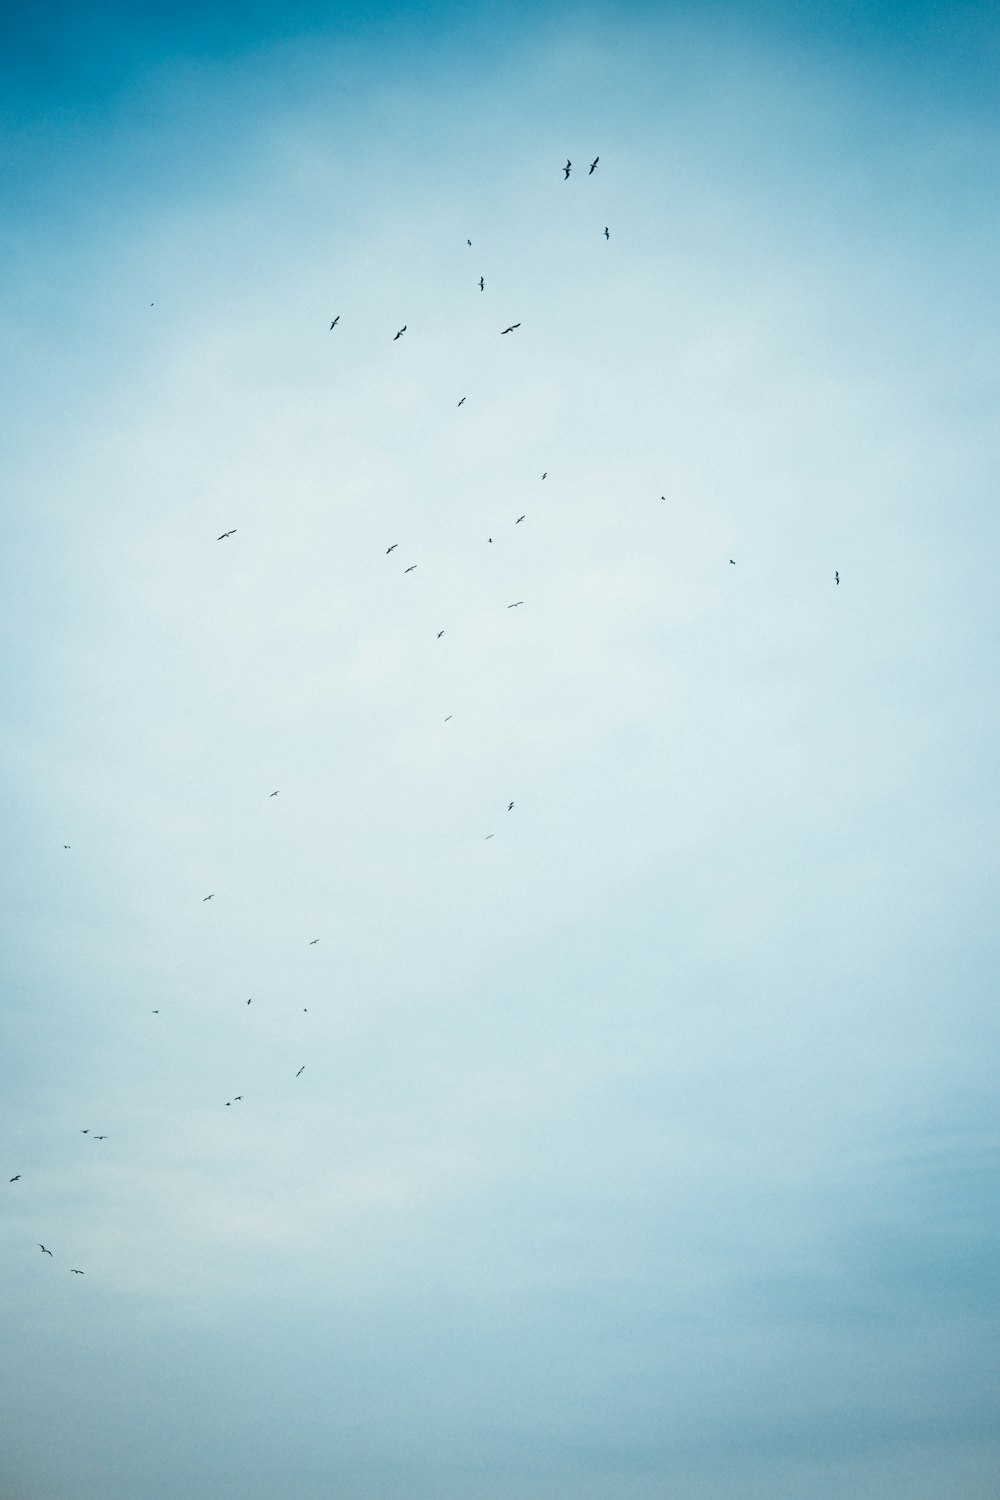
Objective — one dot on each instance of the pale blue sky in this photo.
(648, 1147)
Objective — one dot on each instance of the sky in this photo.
(636, 1139)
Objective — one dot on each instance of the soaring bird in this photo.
(84, 1132)
(222, 538)
(450, 716)
(274, 794)
(74, 1272)
(732, 561)
(155, 1012)
(510, 329)
(546, 474)
(606, 234)
(440, 634)
(593, 164)
(519, 520)
(17, 1178)
(42, 1248)
(206, 898)
(250, 1001)
(66, 846)
(399, 335)
(301, 1071)
(391, 549)
(488, 837)
(566, 169)
(510, 806)
(836, 577)
(515, 604)
(468, 242)
(335, 321)
(482, 284)
(312, 942)
(462, 401)
(410, 568)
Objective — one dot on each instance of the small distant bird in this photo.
(515, 604)
(399, 335)
(468, 242)
(510, 806)
(222, 538)
(489, 539)
(462, 401)
(84, 1132)
(482, 284)
(66, 846)
(301, 1071)
(519, 520)
(546, 474)
(732, 561)
(100, 1137)
(606, 234)
(510, 329)
(566, 169)
(42, 1248)
(274, 794)
(663, 497)
(312, 943)
(206, 898)
(74, 1272)
(450, 716)
(593, 164)
(391, 549)
(17, 1178)
(227, 1103)
(440, 634)
(335, 322)
(488, 837)
(410, 568)
(237, 1096)
(836, 577)
(156, 1013)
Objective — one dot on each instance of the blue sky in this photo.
(646, 1139)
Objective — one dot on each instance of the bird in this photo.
(66, 846)
(510, 806)
(312, 943)
(606, 234)
(836, 577)
(468, 242)
(482, 284)
(237, 1096)
(410, 568)
(515, 604)
(593, 164)
(450, 716)
(17, 1178)
(399, 335)
(206, 898)
(461, 402)
(250, 1001)
(335, 322)
(732, 561)
(155, 1012)
(100, 1137)
(519, 520)
(566, 169)
(227, 1103)
(546, 474)
(274, 794)
(440, 634)
(391, 549)
(510, 329)
(488, 837)
(42, 1248)
(222, 538)
(301, 1071)
(84, 1132)
(74, 1272)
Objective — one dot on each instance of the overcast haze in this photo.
(646, 1142)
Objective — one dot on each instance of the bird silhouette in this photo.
(519, 520)
(207, 898)
(450, 716)
(733, 561)
(410, 568)
(546, 474)
(312, 943)
(274, 794)
(515, 604)
(155, 1012)
(488, 837)
(482, 284)
(391, 549)
(440, 634)
(74, 1272)
(510, 806)
(593, 164)
(335, 321)
(301, 1071)
(606, 234)
(566, 169)
(836, 577)
(100, 1137)
(510, 329)
(17, 1178)
(42, 1248)
(66, 846)
(222, 538)
(84, 1132)
(399, 335)
(468, 242)
(250, 1001)
(462, 401)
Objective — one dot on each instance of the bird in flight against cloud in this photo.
(450, 716)
(519, 520)
(510, 329)
(312, 943)
(250, 1001)
(17, 1178)
(515, 604)
(510, 806)
(606, 234)
(391, 549)
(222, 538)
(468, 242)
(74, 1272)
(335, 321)
(66, 846)
(482, 284)
(462, 402)
(410, 568)
(732, 561)
(399, 335)
(836, 577)
(440, 634)
(566, 169)
(207, 898)
(100, 1137)
(42, 1247)
(593, 164)
(301, 1071)
(546, 474)
(274, 794)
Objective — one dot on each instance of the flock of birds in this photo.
(516, 604)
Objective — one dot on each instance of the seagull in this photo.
(836, 577)
(155, 1012)
(482, 284)
(312, 943)
(399, 335)
(510, 329)
(100, 1137)
(237, 1096)
(391, 549)
(606, 234)
(84, 1132)
(468, 242)
(301, 1071)
(17, 1178)
(463, 399)
(42, 1248)
(733, 561)
(410, 568)
(566, 169)
(450, 716)
(488, 837)
(440, 634)
(67, 846)
(515, 604)
(206, 898)
(274, 794)
(510, 806)
(222, 538)
(593, 164)
(74, 1272)
(519, 520)
(546, 474)
(335, 322)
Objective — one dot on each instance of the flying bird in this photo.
(482, 284)
(42, 1248)
(450, 716)
(100, 1137)
(440, 634)
(468, 242)
(399, 335)
(274, 794)
(312, 943)
(155, 1012)
(836, 577)
(732, 561)
(566, 169)
(462, 401)
(335, 322)
(410, 568)
(391, 549)
(74, 1272)
(515, 604)
(17, 1178)
(519, 520)
(206, 898)
(593, 164)
(510, 806)
(606, 234)
(546, 474)
(488, 837)
(84, 1132)
(301, 1071)
(222, 538)
(66, 846)
(510, 329)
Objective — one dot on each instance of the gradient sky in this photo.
(647, 1144)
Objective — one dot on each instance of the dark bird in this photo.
(237, 1096)
(606, 234)
(733, 561)
(519, 520)
(440, 634)
(301, 1071)
(42, 1248)
(515, 604)
(84, 1132)
(482, 284)
(17, 1178)
(66, 846)
(593, 164)
(312, 943)
(399, 335)
(450, 716)
(510, 806)
(206, 898)
(74, 1272)
(510, 329)
(250, 1001)
(566, 169)
(468, 242)
(156, 1012)
(222, 538)
(335, 321)
(227, 1103)
(546, 474)
(274, 794)
(836, 577)
(410, 568)
(488, 837)
(391, 549)
(462, 401)
(100, 1137)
